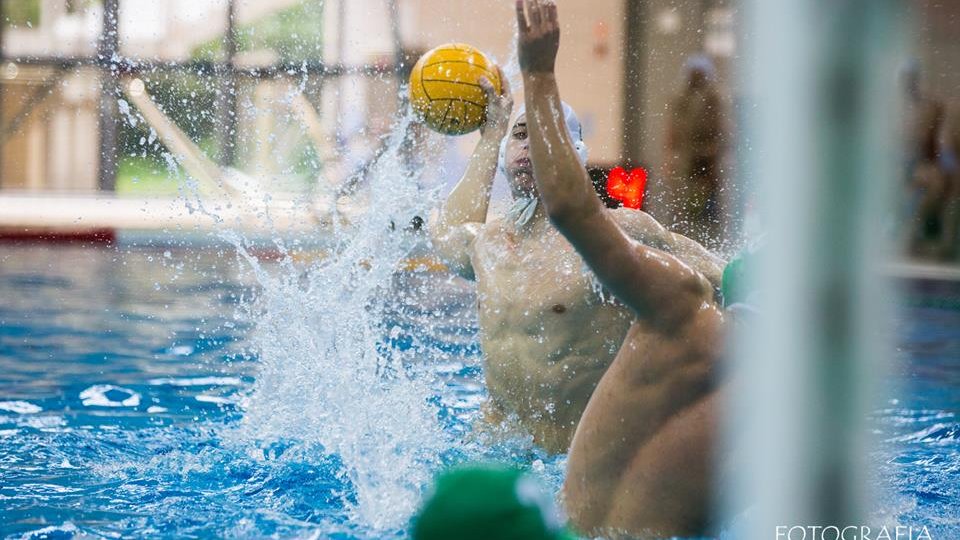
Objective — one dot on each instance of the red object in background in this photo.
(601, 39)
(54, 236)
(628, 188)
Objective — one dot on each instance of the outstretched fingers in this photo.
(549, 10)
(538, 35)
(536, 14)
(521, 18)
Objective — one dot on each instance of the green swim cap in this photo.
(731, 285)
(488, 502)
(736, 285)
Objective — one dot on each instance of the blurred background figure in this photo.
(927, 170)
(695, 147)
(951, 162)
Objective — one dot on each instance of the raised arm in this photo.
(642, 277)
(456, 225)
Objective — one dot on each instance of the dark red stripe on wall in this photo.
(54, 236)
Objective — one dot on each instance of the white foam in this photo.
(20, 407)
(96, 396)
(323, 377)
(213, 399)
(196, 381)
(50, 531)
(180, 350)
(46, 489)
(43, 423)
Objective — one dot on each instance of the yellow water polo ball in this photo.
(445, 88)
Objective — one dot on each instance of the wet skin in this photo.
(547, 336)
(642, 461)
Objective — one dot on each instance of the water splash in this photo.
(324, 377)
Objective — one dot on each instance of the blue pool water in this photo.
(125, 373)
(122, 379)
(919, 458)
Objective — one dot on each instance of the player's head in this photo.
(699, 70)
(515, 161)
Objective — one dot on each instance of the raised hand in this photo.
(539, 35)
(499, 106)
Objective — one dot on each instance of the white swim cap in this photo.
(573, 127)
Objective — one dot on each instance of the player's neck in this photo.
(537, 222)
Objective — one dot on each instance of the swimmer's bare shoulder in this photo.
(643, 228)
(462, 246)
(489, 241)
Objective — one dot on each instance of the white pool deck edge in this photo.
(78, 212)
(67, 212)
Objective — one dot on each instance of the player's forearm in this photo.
(470, 199)
(454, 227)
(562, 181)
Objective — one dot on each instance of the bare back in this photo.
(642, 458)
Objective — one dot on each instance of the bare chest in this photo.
(535, 276)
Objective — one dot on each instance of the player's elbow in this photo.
(692, 294)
